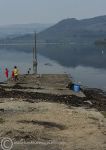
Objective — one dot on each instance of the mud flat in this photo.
(55, 120)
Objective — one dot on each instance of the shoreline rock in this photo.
(95, 98)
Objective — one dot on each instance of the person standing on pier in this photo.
(6, 73)
(12, 75)
(15, 73)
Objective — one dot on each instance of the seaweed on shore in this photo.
(94, 98)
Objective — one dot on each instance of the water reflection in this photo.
(68, 55)
(74, 55)
(86, 63)
(24, 62)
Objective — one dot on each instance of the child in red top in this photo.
(6, 73)
(12, 75)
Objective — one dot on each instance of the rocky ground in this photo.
(94, 98)
(44, 121)
(56, 125)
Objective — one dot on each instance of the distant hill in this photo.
(76, 30)
(71, 30)
(21, 29)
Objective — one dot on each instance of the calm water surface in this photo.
(85, 63)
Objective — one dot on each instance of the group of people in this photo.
(14, 73)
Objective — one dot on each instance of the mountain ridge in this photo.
(74, 27)
(71, 30)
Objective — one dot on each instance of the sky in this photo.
(48, 11)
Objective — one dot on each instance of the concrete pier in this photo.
(46, 83)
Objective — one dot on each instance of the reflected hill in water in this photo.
(68, 55)
(75, 55)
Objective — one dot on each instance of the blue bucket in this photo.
(76, 87)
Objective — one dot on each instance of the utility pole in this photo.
(35, 56)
